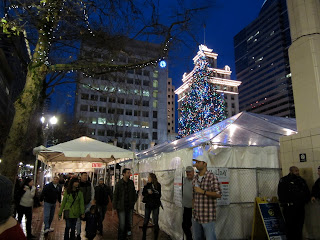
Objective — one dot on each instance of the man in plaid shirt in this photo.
(206, 189)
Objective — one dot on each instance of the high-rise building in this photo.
(171, 111)
(262, 63)
(220, 78)
(128, 108)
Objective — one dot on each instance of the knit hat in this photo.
(6, 187)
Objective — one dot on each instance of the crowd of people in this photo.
(82, 201)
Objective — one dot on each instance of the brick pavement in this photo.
(110, 227)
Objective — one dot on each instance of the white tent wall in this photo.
(254, 171)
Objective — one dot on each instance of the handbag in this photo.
(66, 212)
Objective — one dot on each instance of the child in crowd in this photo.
(92, 219)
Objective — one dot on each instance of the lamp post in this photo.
(47, 124)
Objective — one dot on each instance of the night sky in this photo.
(223, 21)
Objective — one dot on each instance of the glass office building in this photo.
(262, 62)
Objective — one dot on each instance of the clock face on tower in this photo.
(163, 64)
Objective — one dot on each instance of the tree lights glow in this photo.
(202, 106)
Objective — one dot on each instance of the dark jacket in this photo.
(85, 188)
(119, 199)
(152, 201)
(91, 224)
(316, 189)
(293, 189)
(102, 194)
(51, 194)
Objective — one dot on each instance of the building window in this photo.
(145, 93)
(127, 134)
(155, 94)
(82, 120)
(94, 97)
(155, 103)
(136, 134)
(102, 109)
(112, 99)
(146, 83)
(120, 111)
(130, 80)
(84, 108)
(84, 96)
(93, 120)
(103, 98)
(145, 103)
(146, 73)
(102, 120)
(154, 136)
(137, 102)
(129, 112)
(232, 97)
(155, 114)
(144, 125)
(145, 114)
(155, 83)
(155, 74)
(137, 81)
(137, 113)
(121, 100)
(111, 110)
(138, 71)
(110, 133)
(168, 103)
(232, 105)
(91, 131)
(136, 123)
(155, 125)
(93, 109)
(101, 132)
(129, 101)
(144, 135)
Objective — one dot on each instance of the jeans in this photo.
(86, 207)
(102, 211)
(27, 211)
(70, 224)
(125, 223)
(48, 214)
(203, 230)
(155, 216)
(187, 223)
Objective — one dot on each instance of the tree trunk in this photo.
(25, 106)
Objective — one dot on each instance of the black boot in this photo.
(156, 232)
(144, 233)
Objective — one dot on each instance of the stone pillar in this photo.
(303, 149)
(133, 145)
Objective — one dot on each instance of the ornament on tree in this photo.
(202, 106)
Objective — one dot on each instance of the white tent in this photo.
(81, 154)
(246, 144)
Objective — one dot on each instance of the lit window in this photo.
(102, 120)
(155, 103)
(155, 83)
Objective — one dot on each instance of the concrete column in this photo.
(304, 56)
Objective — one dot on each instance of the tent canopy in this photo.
(243, 129)
(83, 149)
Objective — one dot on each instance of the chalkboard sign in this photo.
(273, 220)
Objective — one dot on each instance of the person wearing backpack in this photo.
(72, 207)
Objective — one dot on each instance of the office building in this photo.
(262, 63)
(126, 108)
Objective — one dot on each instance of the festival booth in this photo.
(83, 154)
(244, 154)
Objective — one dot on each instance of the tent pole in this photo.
(35, 170)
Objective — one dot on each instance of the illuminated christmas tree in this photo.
(202, 106)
